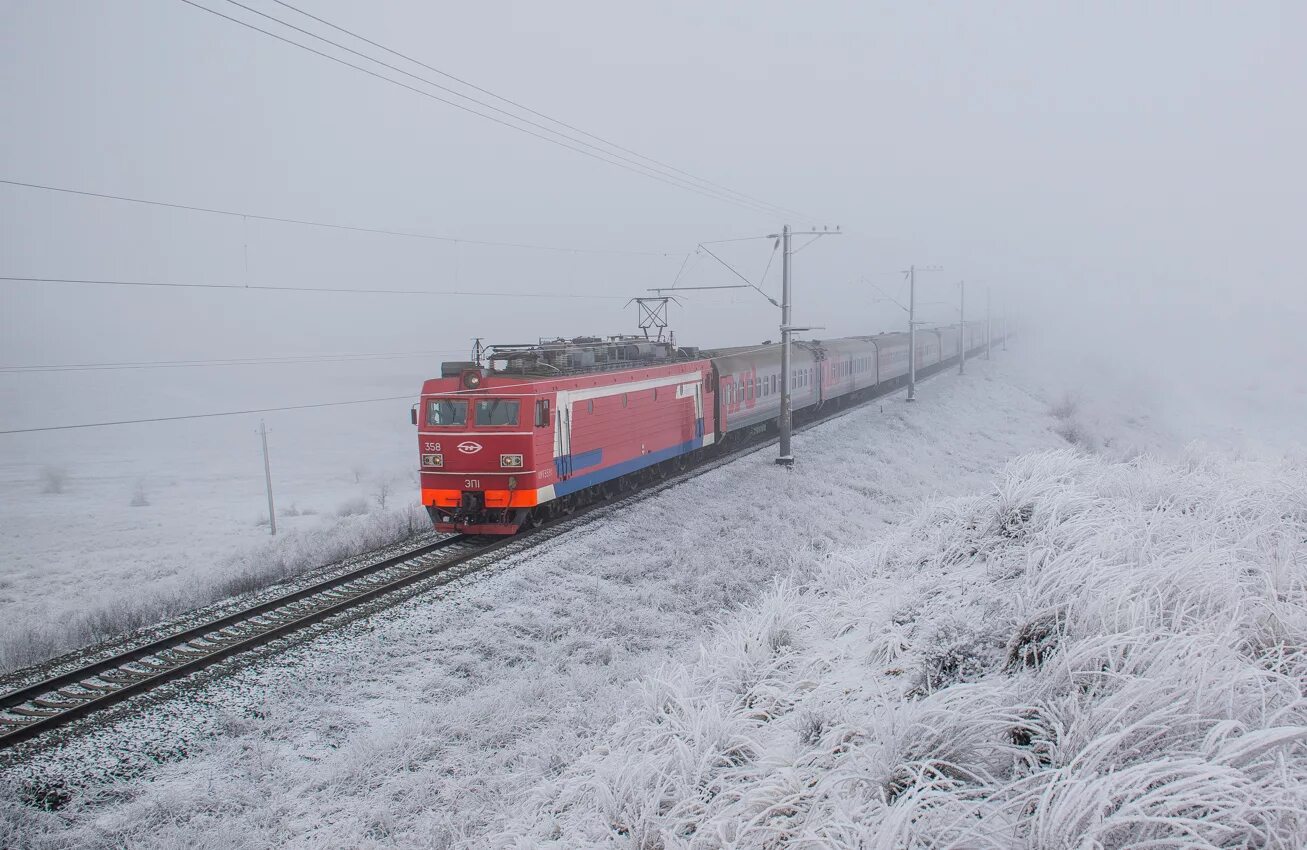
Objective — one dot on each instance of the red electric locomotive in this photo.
(525, 437)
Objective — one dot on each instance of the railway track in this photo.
(60, 700)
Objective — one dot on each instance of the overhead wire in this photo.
(410, 396)
(355, 228)
(528, 109)
(202, 415)
(275, 360)
(729, 192)
(645, 171)
(270, 288)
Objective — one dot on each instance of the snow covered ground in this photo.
(1095, 654)
(428, 725)
(103, 531)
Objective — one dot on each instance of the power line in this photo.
(460, 392)
(281, 360)
(636, 168)
(741, 199)
(357, 229)
(204, 415)
(264, 288)
(529, 110)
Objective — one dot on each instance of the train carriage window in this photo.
(496, 412)
(542, 413)
(624, 400)
(590, 406)
(441, 411)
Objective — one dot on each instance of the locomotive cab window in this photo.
(542, 413)
(443, 411)
(496, 412)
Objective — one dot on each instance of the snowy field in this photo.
(1094, 654)
(106, 530)
(429, 725)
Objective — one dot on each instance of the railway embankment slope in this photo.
(1092, 653)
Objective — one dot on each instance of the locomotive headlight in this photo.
(436, 461)
(510, 461)
(471, 379)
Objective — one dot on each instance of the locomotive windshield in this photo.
(496, 412)
(443, 411)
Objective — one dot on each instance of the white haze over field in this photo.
(1124, 180)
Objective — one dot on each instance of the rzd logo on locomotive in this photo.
(469, 447)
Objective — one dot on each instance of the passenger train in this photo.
(534, 431)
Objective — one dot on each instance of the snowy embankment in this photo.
(1095, 654)
(143, 523)
(132, 598)
(429, 724)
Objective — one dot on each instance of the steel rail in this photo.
(181, 653)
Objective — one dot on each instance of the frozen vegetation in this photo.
(133, 600)
(1095, 654)
(140, 525)
(987, 620)
(429, 725)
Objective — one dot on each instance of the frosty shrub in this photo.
(382, 493)
(1097, 654)
(54, 479)
(353, 507)
(1065, 408)
(139, 499)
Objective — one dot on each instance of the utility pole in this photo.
(989, 328)
(785, 420)
(912, 333)
(962, 327)
(267, 476)
(785, 458)
(911, 272)
(1005, 330)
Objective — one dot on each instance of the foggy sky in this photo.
(1129, 173)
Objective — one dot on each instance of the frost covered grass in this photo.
(30, 640)
(430, 725)
(1096, 654)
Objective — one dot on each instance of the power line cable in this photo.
(742, 198)
(265, 288)
(671, 181)
(204, 415)
(282, 360)
(355, 228)
(460, 392)
(531, 111)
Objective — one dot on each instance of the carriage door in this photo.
(698, 409)
(563, 438)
